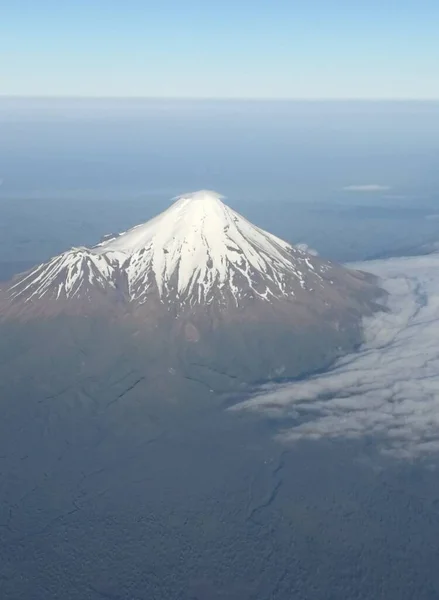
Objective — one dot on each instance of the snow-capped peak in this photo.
(196, 251)
(200, 247)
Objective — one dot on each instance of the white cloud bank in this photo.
(390, 389)
(370, 187)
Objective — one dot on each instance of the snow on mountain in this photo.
(200, 246)
(70, 274)
(204, 294)
(196, 251)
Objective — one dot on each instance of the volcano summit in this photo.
(203, 286)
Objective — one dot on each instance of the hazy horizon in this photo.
(348, 178)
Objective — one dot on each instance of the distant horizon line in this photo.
(210, 98)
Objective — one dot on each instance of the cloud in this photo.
(305, 248)
(390, 388)
(371, 187)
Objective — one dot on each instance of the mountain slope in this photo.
(196, 251)
(200, 247)
(214, 294)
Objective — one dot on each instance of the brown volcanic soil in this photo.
(221, 345)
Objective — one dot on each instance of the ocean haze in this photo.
(290, 150)
(351, 179)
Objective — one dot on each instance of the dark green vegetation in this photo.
(111, 489)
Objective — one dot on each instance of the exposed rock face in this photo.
(209, 290)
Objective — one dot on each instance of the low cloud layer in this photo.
(390, 389)
(370, 187)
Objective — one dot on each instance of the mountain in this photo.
(122, 474)
(208, 292)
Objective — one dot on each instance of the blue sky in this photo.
(317, 49)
